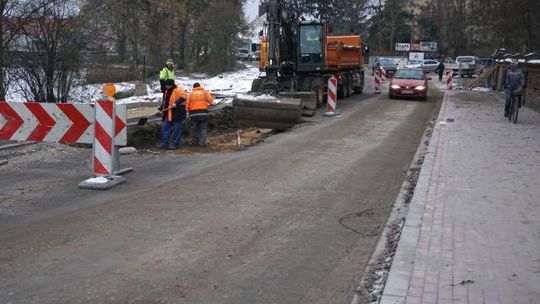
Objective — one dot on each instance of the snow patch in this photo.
(97, 180)
(226, 84)
(256, 97)
(481, 89)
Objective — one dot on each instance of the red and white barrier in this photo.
(54, 122)
(72, 123)
(331, 97)
(383, 75)
(449, 79)
(104, 139)
(378, 82)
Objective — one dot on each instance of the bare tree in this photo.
(49, 51)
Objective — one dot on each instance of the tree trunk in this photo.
(182, 46)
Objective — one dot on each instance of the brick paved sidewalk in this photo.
(472, 234)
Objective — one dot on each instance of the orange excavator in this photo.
(297, 59)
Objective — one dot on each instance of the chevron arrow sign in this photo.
(55, 122)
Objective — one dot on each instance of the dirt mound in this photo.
(225, 141)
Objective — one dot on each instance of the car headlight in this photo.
(395, 86)
(420, 88)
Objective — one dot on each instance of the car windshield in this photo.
(387, 61)
(245, 51)
(465, 59)
(409, 74)
(414, 62)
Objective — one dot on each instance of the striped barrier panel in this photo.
(55, 122)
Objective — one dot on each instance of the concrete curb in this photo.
(397, 215)
(396, 287)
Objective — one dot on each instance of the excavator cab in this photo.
(311, 39)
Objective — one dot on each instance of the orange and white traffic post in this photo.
(331, 97)
(449, 78)
(378, 82)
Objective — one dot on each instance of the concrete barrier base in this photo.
(331, 114)
(102, 182)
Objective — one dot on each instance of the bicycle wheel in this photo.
(515, 110)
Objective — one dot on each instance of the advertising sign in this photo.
(428, 46)
(416, 56)
(403, 47)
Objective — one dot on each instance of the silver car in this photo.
(427, 65)
(242, 54)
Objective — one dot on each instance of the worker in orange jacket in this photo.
(197, 107)
(174, 114)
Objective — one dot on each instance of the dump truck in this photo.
(297, 59)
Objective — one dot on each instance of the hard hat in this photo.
(169, 61)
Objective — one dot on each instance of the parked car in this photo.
(466, 65)
(255, 56)
(242, 54)
(427, 65)
(409, 82)
(390, 65)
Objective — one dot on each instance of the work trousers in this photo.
(199, 129)
(509, 99)
(176, 137)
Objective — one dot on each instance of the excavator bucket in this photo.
(267, 111)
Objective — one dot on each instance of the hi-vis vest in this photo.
(176, 94)
(198, 101)
(166, 74)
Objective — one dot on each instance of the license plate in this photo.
(407, 92)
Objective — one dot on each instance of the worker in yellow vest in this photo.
(197, 107)
(166, 75)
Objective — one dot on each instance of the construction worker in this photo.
(174, 114)
(166, 75)
(197, 107)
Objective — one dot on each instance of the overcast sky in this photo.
(251, 9)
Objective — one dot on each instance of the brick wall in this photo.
(533, 87)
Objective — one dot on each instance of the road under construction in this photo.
(292, 219)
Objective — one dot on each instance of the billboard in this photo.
(428, 46)
(403, 47)
(416, 56)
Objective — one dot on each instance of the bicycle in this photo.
(515, 104)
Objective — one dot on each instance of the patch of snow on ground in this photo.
(481, 89)
(226, 84)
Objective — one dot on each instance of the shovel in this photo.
(143, 120)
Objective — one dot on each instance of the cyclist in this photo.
(513, 81)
